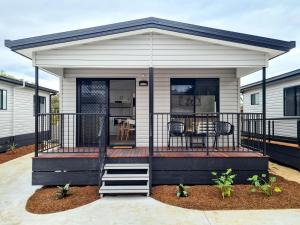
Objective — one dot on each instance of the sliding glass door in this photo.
(122, 113)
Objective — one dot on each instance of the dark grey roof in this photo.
(20, 82)
(150, 22)
(287, 75)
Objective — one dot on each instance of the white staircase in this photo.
(125, 178)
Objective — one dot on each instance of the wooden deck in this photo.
(143, 152)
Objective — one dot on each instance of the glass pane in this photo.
(297, 103)
(42, 104)
(182, 104)
(289, 102)
(4, 97)
(182, 86)
(1, 99)
(207, 86)
(205, 103)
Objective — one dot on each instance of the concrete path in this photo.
(286, 172)
(15, 188)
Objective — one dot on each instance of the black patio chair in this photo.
(223, 128)
(175, 129)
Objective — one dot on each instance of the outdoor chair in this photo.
(223, 128)
(175, 129)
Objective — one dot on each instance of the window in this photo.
(42, 105)
(3, 99)
(255, 99)
(292, 101)
(194, 95)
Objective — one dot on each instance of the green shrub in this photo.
(224, 182)
(264, 184)
(62, 191)
(182, 191)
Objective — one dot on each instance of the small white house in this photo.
(17, 111)
(282, 102)
(167, 91)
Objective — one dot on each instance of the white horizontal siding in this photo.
(144, 50)
(6, 115)
(229, 91)
(274, 105)
(18, 118)
(23, 110)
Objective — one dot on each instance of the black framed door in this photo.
(92, 97)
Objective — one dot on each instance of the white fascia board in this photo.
(272, 53)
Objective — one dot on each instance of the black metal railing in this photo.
(69, 132)
(102, 147)
(284, 129)
(207, 132)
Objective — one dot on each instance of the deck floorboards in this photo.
(142, 152)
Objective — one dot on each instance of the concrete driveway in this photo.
(15, 188)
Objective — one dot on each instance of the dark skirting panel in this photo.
(198, 170)
(60, 171)
(84, 171)
(289, 156)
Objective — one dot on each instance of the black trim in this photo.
(194, 79)
(291, 74)
(150, 22)
(295, 87)
(254, 101)
(2, 106)
(19, 82)
(107, 80)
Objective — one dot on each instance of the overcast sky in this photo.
(19, 19)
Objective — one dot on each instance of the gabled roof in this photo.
(29, 85)
(150, 22)
(291, 74)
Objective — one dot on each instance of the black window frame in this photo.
(193, 92)
(254, 102)
(2, 106)
(39, 107)
(296, 104)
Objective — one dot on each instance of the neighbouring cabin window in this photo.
(255, 99)
(198, 95)
(3, 99)
(42, 104)
(292, 101)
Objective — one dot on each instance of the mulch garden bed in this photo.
(44, 200)
(18, 152)
(208, 197)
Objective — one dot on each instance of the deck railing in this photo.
(284, 129)
(201, 132)
(207, 132)
(69, 132)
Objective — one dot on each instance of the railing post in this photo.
(298, 132)
(264, 108)
(238, 130)
(207, 138)
(151, 128)
(36, 119)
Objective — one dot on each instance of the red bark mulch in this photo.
(44, 200)
(18, 152)
(208, 197)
